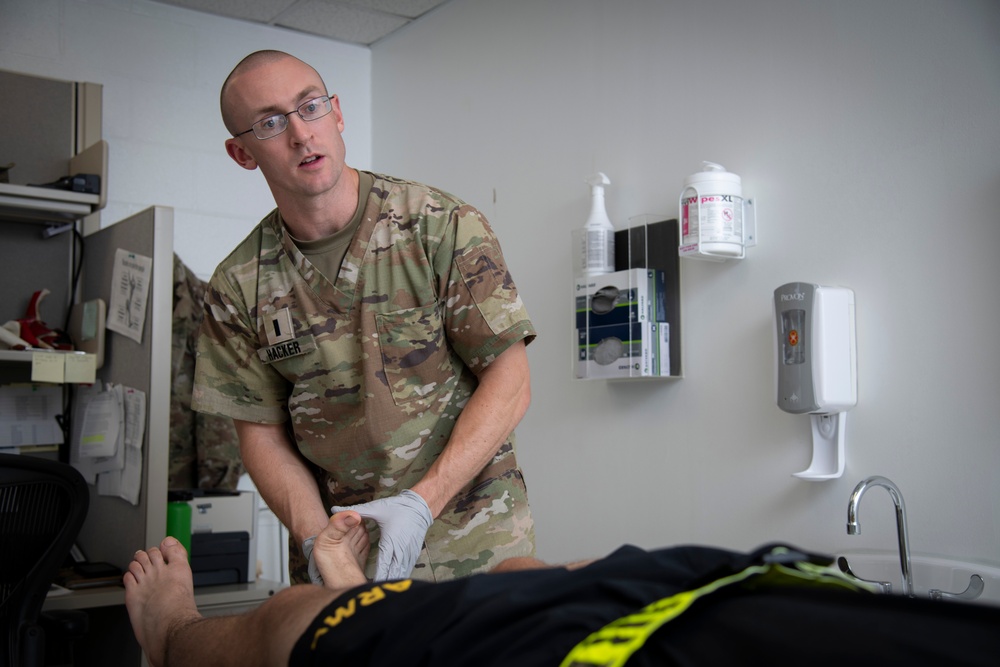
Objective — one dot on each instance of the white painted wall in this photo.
(162, 68)
(869, 134)
(867, 131)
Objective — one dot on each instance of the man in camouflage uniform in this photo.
(204, 449)
(369, 343)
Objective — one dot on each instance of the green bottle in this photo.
(179, 518)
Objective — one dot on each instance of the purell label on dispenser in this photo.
(715, 218)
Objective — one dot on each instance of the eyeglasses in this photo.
(274, 125)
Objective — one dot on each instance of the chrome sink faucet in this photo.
(854, 528)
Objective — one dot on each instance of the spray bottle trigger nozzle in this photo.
(598, 180)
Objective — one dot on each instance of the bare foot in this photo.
(159, 596)
(341, 551)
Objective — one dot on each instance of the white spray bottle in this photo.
(599, 234)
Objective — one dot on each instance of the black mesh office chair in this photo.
(42, 507)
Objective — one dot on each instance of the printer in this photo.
(223, 536)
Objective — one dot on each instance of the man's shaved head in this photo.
(252, 62)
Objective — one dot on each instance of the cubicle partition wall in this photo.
(114, 528)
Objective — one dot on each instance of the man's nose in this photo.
(299, 129)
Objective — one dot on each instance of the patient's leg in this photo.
(530, 563)
(159, 596)
(520, 563)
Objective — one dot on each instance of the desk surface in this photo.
(225, 595)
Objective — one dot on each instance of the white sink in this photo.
(951, 576)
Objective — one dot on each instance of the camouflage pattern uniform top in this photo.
(373, 369)
(204, 448)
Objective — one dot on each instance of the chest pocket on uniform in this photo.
(415, 354)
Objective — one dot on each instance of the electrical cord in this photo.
(65, 420)
(77, 268)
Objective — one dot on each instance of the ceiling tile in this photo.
(408, 8)
(340, 21)
(355, 21)
(250, 10)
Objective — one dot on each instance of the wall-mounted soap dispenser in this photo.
(817, 366)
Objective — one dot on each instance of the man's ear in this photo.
(335, 101)
(240, 154)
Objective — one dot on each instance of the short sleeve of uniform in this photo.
(484, 314)
(230, 379)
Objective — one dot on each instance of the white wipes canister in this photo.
(711, 207)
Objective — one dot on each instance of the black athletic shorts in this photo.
(535, 617)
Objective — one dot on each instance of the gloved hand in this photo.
(403, 520)
(307, 551)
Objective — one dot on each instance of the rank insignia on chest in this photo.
(290, 348)
(278, 326)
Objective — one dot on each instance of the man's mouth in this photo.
(309, 160)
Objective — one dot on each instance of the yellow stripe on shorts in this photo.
(614, 644)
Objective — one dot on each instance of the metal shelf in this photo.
(30, 203)
(17, 366)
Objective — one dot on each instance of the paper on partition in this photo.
(98, 431)
(84, 465)
(102, 417)
(126, 482)
(129, 290)
(132, 475)
(135, 417)
(115, 461)
(119, 475)
(28, 415)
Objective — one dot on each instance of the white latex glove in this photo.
(307, 551)
(403, 520)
